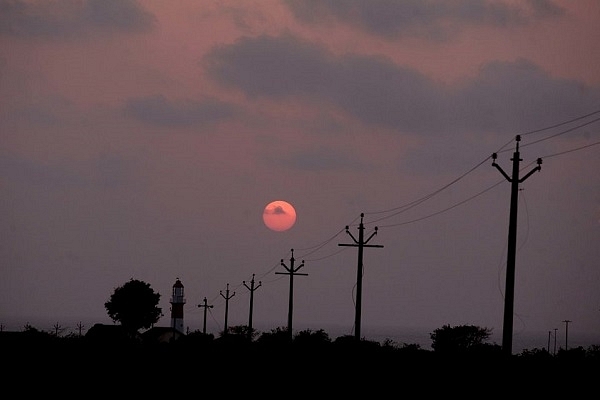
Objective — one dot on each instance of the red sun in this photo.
(279, 215)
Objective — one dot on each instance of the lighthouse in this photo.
(177, 302)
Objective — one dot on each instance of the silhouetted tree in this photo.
(134, 305)
(309, 338)
(460, 338)
(535, 353)
(276, 337)
(235, 336)
(575, 353)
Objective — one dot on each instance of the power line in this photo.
(319, 246)
(327, 256)
(414, 203)
(561, 133)
(560, 124)
(405, 207)
(572, 150)
(424, 198)
(445, 209)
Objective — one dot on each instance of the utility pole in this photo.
(512, 243)
(205, 307)
(291, 272)
(549, 335)
(57, 329)
(80, 327)
(361, 243)
(566, 321)
(251, 288)
(226, 297)
(555, 329)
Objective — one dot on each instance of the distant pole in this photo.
(360, 243)
(512, 243)
(291, 272)
(226, 297)
(555, 329)
(548, 348)
(251, 288)
(80, 327)
(205, 307)
(566, 321)
(57, 328)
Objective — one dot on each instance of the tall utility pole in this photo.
(555, 329)
(512, 243)
(291, 272)
(205, 307)
(566, 321)
(360, 243)
(226, 297)
(251, 288)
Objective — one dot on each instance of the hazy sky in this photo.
(143, 140)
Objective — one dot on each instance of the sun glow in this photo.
(279, 215)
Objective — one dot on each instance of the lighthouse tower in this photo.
(177, 302)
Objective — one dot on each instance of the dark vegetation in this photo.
(460, 356)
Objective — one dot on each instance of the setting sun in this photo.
(279, 215)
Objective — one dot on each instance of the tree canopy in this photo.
(134, 305)
(458, 338)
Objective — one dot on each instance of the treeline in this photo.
(305, 363)
(464, 341)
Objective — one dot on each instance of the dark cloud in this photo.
(66, 18)
(422, 18)
(270, 66)
(504, 97)
(512, 96)
(161, 111)
(277, 211)
(322, 159)
(546, 9)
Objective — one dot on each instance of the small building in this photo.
(109, 334)
(161, 334)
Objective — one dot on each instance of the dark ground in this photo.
(41, 365)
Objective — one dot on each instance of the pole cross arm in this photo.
(364, 245)
(350, 234)
(494, 156)
(537, 168)
(291, 273)
(291, 269)
(370, 237)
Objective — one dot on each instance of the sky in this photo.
(143, 139)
